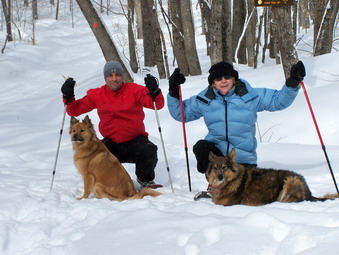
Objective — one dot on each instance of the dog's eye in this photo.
(82, 130)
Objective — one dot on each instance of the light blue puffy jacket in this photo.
(231, 119)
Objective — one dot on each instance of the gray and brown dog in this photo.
(233, 184)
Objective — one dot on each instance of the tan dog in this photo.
(102, 172)
(233, 184)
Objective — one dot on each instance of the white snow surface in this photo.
(37, 220)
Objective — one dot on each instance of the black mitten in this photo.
(153, 86)
(175, 80)
(297, 74)
(67, 89)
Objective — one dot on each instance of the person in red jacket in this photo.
(120, 109)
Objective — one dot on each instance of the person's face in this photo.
(223, 84)
(114, 81)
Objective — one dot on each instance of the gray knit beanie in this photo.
(112, 67)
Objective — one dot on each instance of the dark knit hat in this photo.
(221, 69)
(112, 67)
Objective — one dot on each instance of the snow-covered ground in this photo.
(35, 220)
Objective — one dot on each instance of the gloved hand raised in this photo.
(175, 80)
(297, 74)
(67, 89)
(153, 86)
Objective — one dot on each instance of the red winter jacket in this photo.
(121, 112)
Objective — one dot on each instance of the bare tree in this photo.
(189, 35)
(250, 32)
(324, 38)
(131, 41)
(184, 46)
(205, 9)
(317, 12)
(285, 38)
(35, 9)
(104, 39)
(6, 7)
(266, 33)
(226, 21)
(239, 16)
(178, 36)
(137, 8)
(303, 9)
(57, 10)
(151, 34)
(216, 31)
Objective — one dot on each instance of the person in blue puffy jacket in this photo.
(229, 106)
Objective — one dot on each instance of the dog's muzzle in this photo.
(220, 178)
(77, 138)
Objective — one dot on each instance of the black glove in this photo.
(153, 86)
(175, 80)
(297, 74)
(67, 89)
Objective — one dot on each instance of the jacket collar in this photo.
(245, 92)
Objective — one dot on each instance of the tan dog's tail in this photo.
(145, 192)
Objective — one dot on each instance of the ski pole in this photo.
(319, 135)
(161, 138)
(57, 152)
(185, 139)
(163, 145)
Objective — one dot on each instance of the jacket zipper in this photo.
(226, 128)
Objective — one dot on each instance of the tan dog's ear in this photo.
(232, 155)
(88, 121)
(211, 156)
(73, 120)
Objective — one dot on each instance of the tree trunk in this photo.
(258, 40)
(250, 33)
(216, 31)
(7, 12)
(239, 16)
(266, 33)
(131, 41)
(284, 34)
(324, 39)
(178, 37)
(35, 9)
(137, 7)
(151, 34)
(294, 20)
(303, 14)
(226, 35)
(318, 7)
(205, 22)
(189, 35)
(57, 10)
(105, 41)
